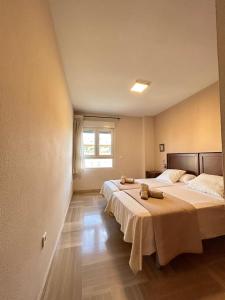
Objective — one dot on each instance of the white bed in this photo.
(109, 187)
(136, 221)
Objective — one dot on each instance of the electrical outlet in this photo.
(44, 239)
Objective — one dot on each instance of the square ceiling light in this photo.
(140, 86)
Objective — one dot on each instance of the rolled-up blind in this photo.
(98, 124)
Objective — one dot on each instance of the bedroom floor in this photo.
(91, 263)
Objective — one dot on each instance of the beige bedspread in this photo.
(108, 187)
(137, 224)
(175, 225)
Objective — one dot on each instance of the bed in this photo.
(184, 161)
(109, 187)
(136, 221)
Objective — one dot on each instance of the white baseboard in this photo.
(87, 191)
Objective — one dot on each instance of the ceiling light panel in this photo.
(140, 86)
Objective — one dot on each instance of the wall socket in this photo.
(44, 239)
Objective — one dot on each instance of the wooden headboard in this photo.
(184, 161)
(197, 163)
(211, 163)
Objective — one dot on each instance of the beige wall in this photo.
(220, 14)
(35, 143)
(191, 126)
(128, 153)
(148, 143)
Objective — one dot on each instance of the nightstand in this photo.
(152, 174)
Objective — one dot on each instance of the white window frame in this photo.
(97, 155)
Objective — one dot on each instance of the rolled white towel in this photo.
(144, 191)
(156, 194)
(124, 180)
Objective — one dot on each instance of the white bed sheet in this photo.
(109, 187)
(136, 221)
(210, 209)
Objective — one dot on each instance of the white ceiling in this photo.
(107, 44)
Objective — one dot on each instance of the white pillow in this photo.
(210, 184)
(171, 175)
(187, 177)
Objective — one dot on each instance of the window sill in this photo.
(98, 168)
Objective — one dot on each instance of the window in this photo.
(98, 148)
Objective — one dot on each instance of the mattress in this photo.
(136, 221)
(109, 187)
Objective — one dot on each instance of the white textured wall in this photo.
(35, 146)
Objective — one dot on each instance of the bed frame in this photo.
(211, 163)
(197, 163)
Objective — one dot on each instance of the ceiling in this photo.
(107, 44)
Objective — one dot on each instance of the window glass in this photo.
(89, 143)
(98, 163)
(97, 148)
(105, 143)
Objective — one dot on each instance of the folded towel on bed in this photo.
(125, 186)
(144, 187)
(156, 194)
(125, 179)
(145, 193)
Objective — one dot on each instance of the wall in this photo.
(35, 143)
(191, 126)
(128, 153)
(148, 143)
(220, 14)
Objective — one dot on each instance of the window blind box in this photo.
(98, 124)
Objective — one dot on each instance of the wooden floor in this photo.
(91, 263)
